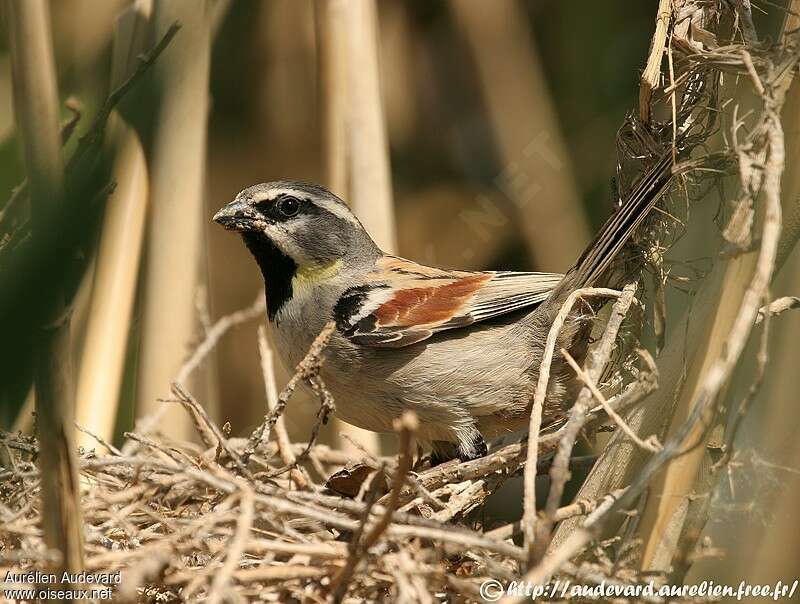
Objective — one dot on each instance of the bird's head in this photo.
(298, 233)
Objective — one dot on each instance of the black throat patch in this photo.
(276, 268)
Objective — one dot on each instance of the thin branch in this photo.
(237, 544)
(96, 131)
(306, 369)
(271, 391)
(406, 426)
(651, 444)
(575, 542)
(529, 518)
(256, 310)
(777, 306)
(220, 328)
(581, 507)
(559, 472)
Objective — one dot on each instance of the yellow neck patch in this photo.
(312, 274)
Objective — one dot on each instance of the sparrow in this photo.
(461, 349)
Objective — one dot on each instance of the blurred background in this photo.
(499, 121)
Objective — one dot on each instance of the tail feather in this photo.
(618, 229)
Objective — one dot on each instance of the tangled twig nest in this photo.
(267, 519)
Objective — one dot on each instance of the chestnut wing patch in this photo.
(411, 303)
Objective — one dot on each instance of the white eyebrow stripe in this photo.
(337, 210)
(274, 194)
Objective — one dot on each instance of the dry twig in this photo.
(776, 307)
(651, 444)
(407, 426)
(529, 522)
(559, 473)
(307, 370)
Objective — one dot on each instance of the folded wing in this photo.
(403, 302)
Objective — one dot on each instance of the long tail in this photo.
(618, 229)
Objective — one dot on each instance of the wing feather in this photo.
(402, 302)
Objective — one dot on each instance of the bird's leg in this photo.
(470, 446)
(475, 449)
(443, 451)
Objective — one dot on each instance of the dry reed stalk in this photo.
(621, 462)
(331, 34)
(775, 456)
(688, 519)
(651, 76)
(174, 266)
(369, 174)
(790, 117)
(739, 291)
(355, 150)
(729, 333)
(6, 115)
(128, 65)
(537, 175)
(116, 269)
(36, 106)
(114, 290)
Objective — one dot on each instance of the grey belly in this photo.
(479, 376)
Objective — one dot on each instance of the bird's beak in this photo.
(237, 216)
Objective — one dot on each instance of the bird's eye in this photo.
(288, 206)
